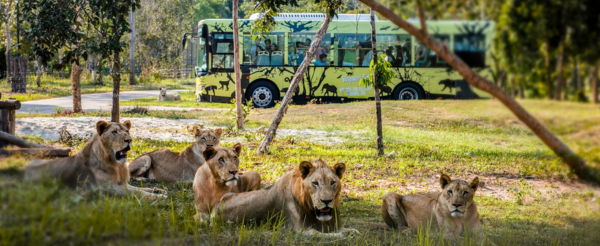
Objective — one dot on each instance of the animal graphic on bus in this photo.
(329, 89)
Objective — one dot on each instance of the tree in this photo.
(576, 163)
(6, 20)
(265, 23)
(132, 49)
(380, 150)
(586, 40)
(236, 67)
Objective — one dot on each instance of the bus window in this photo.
(396, 48)
(353, 50)
(299, 44)
(265, 51)
(471, 49)
(223, 53)
(424, 57)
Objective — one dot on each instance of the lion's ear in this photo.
(208, 153)
(218, 131)
(339, 168)
(474, 183)
(195, 131)
(305, 168)
(101, 127)
(127, 124)
(445, 180)
(237, 148)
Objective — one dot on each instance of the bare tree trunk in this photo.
(61, 69)
(264, 146)
(548, 70)
(94, 61)
(512, 87)
(116, 72)
(560, 67)
(574, 161)
(521, 91)
(380, 149)
(595, 83)
(75, 84)
(8, 42)
(502, 77)
(39, 71)
(132, 49)
(236, 67)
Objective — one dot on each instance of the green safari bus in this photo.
(269, 63)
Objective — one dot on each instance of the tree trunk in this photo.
(61, 69)
(380, 150)
(236, 67)
(8, 45)
(595, 83)
(559, 73)
(521, 91)
(116, 72)
(39, 72)
(548, 70)
(574, 161)
(501, 78)
(75, 83)
(512, 87)
(132, 50)
(264, 146)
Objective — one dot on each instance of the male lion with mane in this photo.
(168, 165)
(309, 197)
(219, 176)
(453, 210)
(101, 162)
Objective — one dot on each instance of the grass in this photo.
(188, 100)
(462, 138)
(53, 86)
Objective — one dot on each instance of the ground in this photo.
(528, 195)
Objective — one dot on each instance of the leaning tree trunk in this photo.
(574, 161)
(75, 83)
(132, 50)
(116, 74)
(380, 150)
(559, 73)
(264, 146)
(236, 67)
(595, 83)
(548, 69)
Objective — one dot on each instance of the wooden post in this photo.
(18, 74)
(7, 115)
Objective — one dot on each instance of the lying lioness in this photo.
(101, 162)
(163, 96)
(453, 210)
(167, 165)
(308, 196)
(219, 176)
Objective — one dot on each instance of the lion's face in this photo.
(207, 137)
(163, 92)
(224, 163)
(115, 139)
(322, 183)
(458, 194)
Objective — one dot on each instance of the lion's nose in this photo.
(233, 172)
(326, 202)
(127, 140)
(456, 204)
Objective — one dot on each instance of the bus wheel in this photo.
(263, 94)
(408, 91)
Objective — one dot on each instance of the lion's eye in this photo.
(450, 192)
(332, 183)
(221, 160)
(466, 193)
(115, 132)
(203, 139)
(214, 139)
(316, 184)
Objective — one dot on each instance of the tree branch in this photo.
(422, 18)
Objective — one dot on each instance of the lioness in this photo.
(308, 196)
(101, 162)
(220, 176)
(163, 96)
(452, 210)
(167, 165)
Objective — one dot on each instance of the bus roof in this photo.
(316, 17)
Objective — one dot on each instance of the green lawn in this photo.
(188, 100)
(529, 197)
(53, 86)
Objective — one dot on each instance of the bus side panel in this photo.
(220, 87)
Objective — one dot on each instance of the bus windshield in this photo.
(202, 58)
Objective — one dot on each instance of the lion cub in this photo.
(452, 210)
(167, 165)
(220, 176)
(163, 96)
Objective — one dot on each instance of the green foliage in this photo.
(384, 73)
(246, 109)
